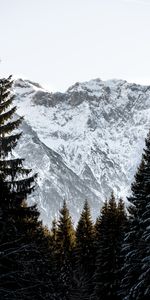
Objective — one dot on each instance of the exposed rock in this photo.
(83, 143)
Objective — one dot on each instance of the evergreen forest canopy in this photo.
(106, 260)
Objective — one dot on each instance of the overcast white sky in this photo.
(59, 42)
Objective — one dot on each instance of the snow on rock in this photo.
(83, 143)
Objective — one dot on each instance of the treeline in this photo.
(106, 260)
(88, 259)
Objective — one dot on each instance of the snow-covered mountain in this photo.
(83, 143)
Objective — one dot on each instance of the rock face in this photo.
(83, 143)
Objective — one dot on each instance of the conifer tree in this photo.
(85, 239)
(136, 271)
(54, 231)
(20, 254)
(85, 255)
(53, 242)
(55, 260)
(109, 234)
(65, 250)
(98, 225)
(11, 170)
(13, 190)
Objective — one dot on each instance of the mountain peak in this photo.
(95, 135)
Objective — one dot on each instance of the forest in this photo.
(106, 259)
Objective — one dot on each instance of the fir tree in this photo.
(85, 239)
(110, 229)
(65, 250)
(20, 250)
(136, 272)
(54, 231)
(55, 260)
(13, 190)
(53, 242)
(98, 225)
(85, 255)
(11, 170)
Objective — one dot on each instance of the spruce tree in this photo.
(20, 253)
(85, 255)
(14, 188)
(136, 272)
(98, 225)
(53, 243)
(110, 229)
(65, 251)
(12, 172)
(55, 260)
(85, 239)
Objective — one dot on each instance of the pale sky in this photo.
(60, 42)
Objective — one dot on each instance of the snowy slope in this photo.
(84, 143)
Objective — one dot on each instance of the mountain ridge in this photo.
(97, 128)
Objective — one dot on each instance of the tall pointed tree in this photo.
(136, 272)
(85, 239)
(11, 169)
(19, 224)
(65, 250)
(109, 234)
(85, 255)
(98, 224)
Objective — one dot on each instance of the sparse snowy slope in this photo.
(84, 143)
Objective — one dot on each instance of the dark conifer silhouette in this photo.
(65, 250)
(136, 272)
(85, 255)
(20, 230)
(109, 236)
